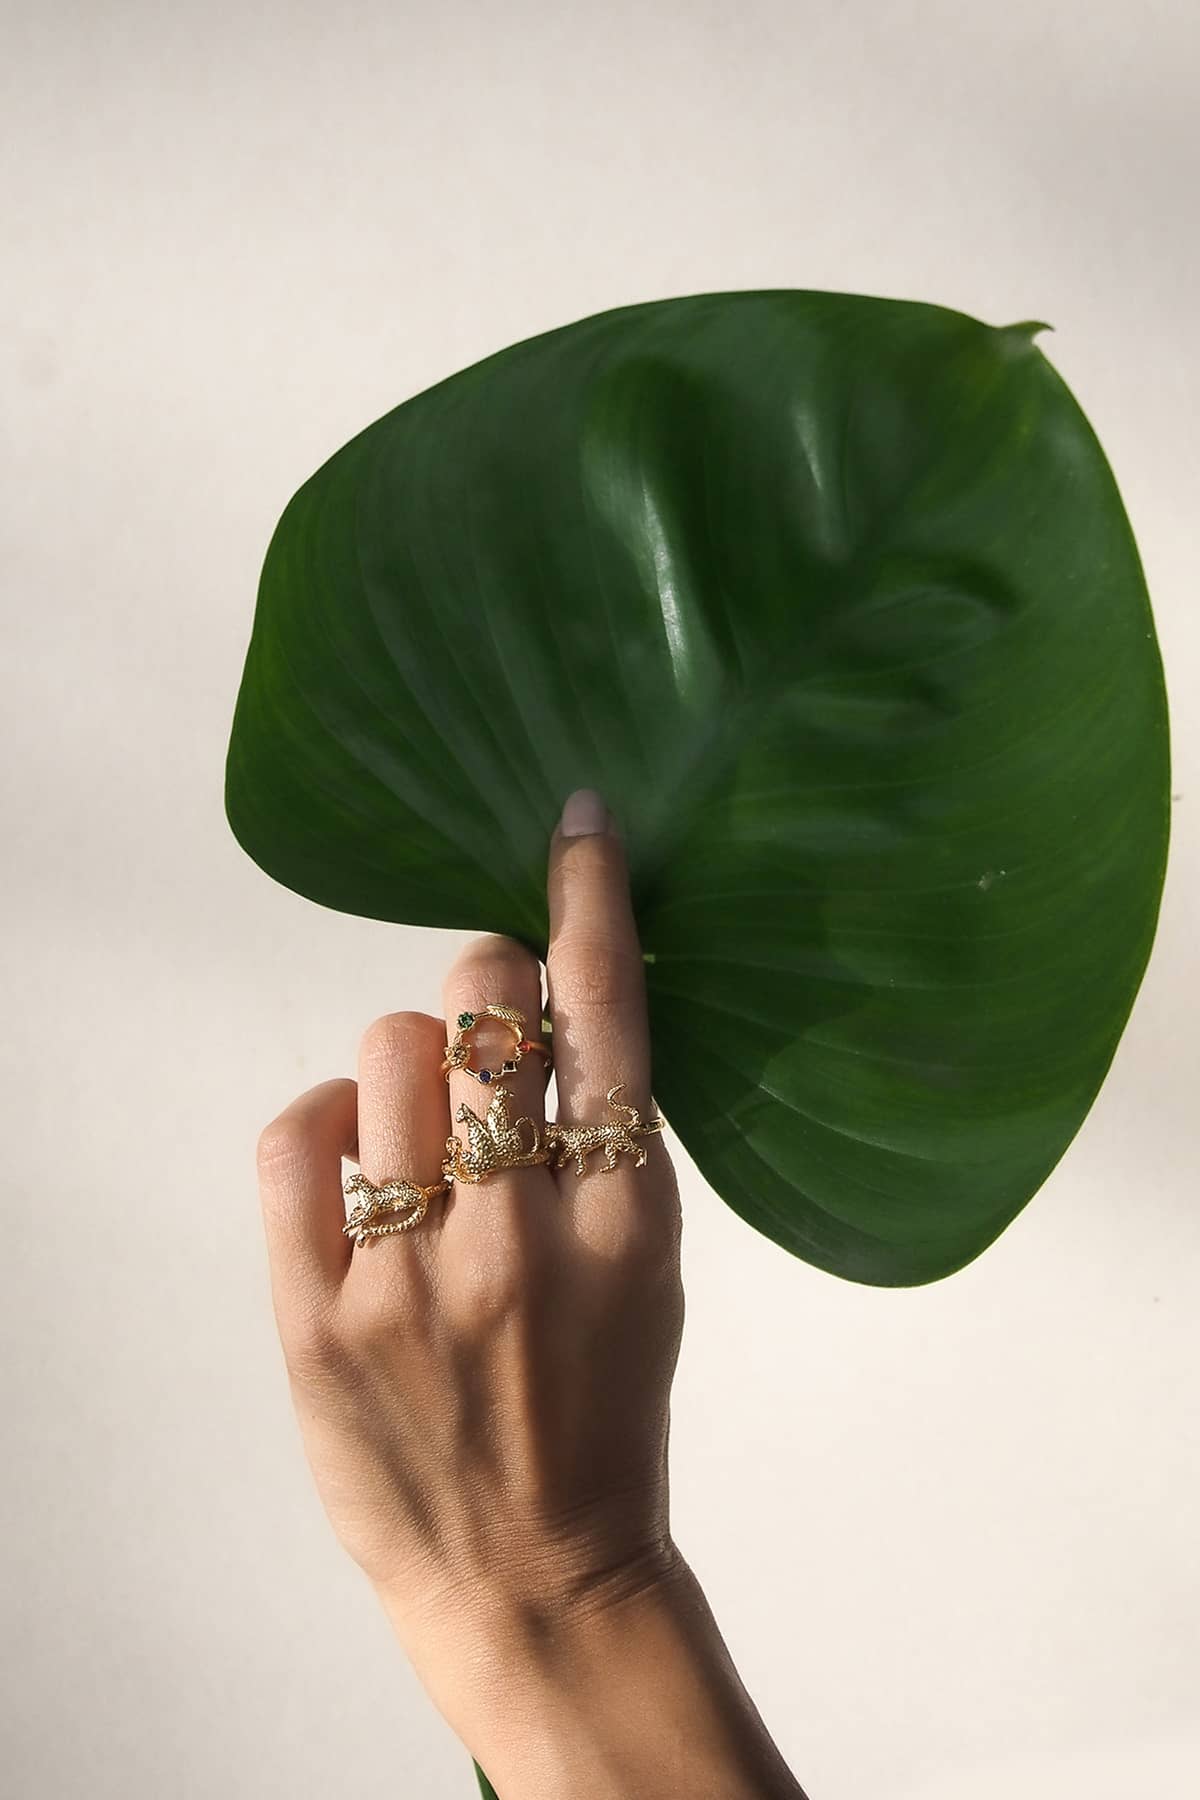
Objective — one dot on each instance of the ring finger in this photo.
(494, 971)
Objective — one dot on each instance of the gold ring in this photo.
(375, 1214)
(458, 1050)
(574, 1143)
(495, 1141)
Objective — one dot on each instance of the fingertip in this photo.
(588, 869)
(585, 814)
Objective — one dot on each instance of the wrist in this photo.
(484, 1643)
(622, 1687)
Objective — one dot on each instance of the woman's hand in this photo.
(484, 1399)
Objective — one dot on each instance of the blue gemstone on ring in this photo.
(485, 1074)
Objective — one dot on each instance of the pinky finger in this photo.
(300, 1186)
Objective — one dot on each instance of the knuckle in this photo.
(494, 952)
(314, 1349)
(375, 1329)
(396, 1299)
(286, 1147)
(501, 1297)
(496, 1287)
(393, 1035)
(283, 1147)
(590, 973)
(649, 1237)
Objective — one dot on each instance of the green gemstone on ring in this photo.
(465, 1021)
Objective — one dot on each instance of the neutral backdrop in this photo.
(951, 1532)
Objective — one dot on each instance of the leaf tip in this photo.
(1023, 333)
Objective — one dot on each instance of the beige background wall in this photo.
(950, 1533)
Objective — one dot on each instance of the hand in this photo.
(484, 1400)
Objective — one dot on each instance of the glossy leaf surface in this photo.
(836, 601)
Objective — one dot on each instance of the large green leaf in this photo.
(835, 599)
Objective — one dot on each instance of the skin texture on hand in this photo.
(485, 1400)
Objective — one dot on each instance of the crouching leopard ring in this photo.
(383, 1211)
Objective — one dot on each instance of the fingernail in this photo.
(583, 813)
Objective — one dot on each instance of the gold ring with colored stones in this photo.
(458, 1050)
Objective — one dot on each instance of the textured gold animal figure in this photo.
(574, 1142)
(373, 1216)
(493, 1142)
